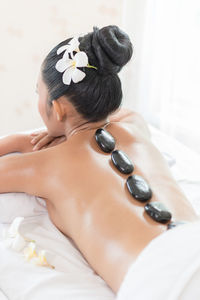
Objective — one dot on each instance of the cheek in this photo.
(43, 113)
(51, 124)
(41, 108)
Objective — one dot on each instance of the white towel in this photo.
(168, 268)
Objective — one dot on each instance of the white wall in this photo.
(28, 31)
(162, 80)
(133, 22)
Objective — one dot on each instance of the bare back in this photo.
(87, 195)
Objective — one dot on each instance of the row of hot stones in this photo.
(137, 186)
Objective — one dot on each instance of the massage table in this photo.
(72, 278)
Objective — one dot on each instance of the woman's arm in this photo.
(18, 142)
(8, 144)
(22, 142)
(23, 173)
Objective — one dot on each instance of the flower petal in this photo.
(81, 59)
(13, 229)
(30, 251)
(61, 49)
(42, 257)
(77, 75)
(66, 55)
(41, 260)
(67, 75)
(63, 64)
(74, 43)
(18, 243)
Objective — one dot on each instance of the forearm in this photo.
(9, 144)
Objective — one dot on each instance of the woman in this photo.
(86, 196)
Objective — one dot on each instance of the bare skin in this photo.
(86, 196)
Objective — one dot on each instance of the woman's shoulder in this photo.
(132, 121)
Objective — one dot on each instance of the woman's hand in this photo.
(41, 140)
(23, 142)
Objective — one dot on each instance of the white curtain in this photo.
(162, 81)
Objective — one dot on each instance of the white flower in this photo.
(31, 255)
(11, 236)
(41, 260)
(29, 251)
(69, 67)
(73, 45)
(13, 239)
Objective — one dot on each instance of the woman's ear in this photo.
(57, 107)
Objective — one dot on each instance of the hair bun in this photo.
(112, 48)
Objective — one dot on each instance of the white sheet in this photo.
(72, 277)
(168, 268)
(186, 166)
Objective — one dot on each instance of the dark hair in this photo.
(99, 93)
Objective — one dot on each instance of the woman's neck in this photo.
(72, 130)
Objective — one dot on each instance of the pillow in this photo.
(13, 205)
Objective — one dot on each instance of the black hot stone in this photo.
(139, 188)
(105, 140)
(175, 223)
(158, 212)
(122, 162)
